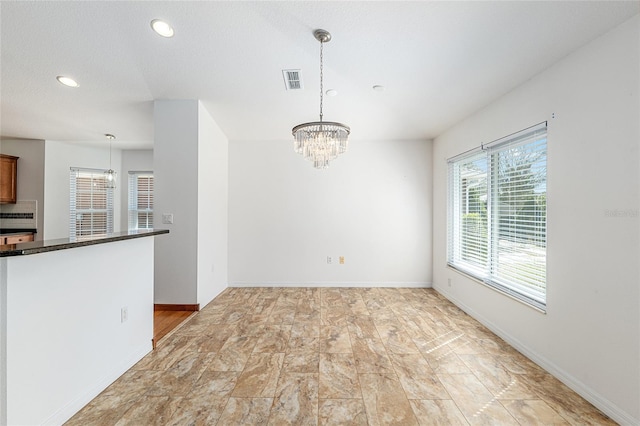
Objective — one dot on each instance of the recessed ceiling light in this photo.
(378, 88)
(162, 28)
(67, 81)
(331, 92)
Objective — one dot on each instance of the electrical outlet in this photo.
(342, 260)
(329, 260)
(449, 282)
(167, 218)
(124, 314)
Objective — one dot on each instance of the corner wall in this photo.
(175, 175)
(190, 166)
(590, 335)
(372, 206)
(213, 196)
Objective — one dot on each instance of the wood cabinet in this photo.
(9, 241)
(15, 239)
(8, 178)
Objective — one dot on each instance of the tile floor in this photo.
(349, 356)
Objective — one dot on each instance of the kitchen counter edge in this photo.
(35, 247)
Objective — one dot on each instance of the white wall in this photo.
(589, 337)
(59, 158)
(372, 206)
(63, 338)
(30, 173)
(213, 180)
(190, 163)
(138, 160)
(175, 168)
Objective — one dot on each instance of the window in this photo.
(497, 214)
(140, 200)
(90, 203)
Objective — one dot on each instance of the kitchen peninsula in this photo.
(74, 316)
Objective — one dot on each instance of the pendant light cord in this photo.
(321, 79)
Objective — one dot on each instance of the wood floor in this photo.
(166, 321)
(349, 356)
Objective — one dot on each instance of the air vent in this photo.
(292, 79)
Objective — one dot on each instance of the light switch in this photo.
(167, 218)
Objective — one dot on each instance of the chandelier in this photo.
(110, 175)
(321, 141)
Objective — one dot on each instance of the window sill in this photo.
(497, 289)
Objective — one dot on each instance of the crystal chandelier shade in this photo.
(321, 141)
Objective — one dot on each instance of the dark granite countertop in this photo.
(6, 231)
(34, 247)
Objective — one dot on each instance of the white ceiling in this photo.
(439, 62)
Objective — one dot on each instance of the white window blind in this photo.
(140, 200)
(90, 203)
(497, 214)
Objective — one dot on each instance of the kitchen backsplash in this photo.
(21, 215)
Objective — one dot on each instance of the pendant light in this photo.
(110, 175)
(321, 141)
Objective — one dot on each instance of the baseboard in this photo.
(600, 402)
(71, 408)
(174, 307)
(357, 284)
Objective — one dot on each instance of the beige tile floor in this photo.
(349, 356)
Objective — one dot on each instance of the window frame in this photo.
(96, 176)
(133, 210)
(516, 278)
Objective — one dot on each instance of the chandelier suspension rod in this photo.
(321, 78)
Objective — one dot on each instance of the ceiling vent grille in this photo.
(292, 79)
